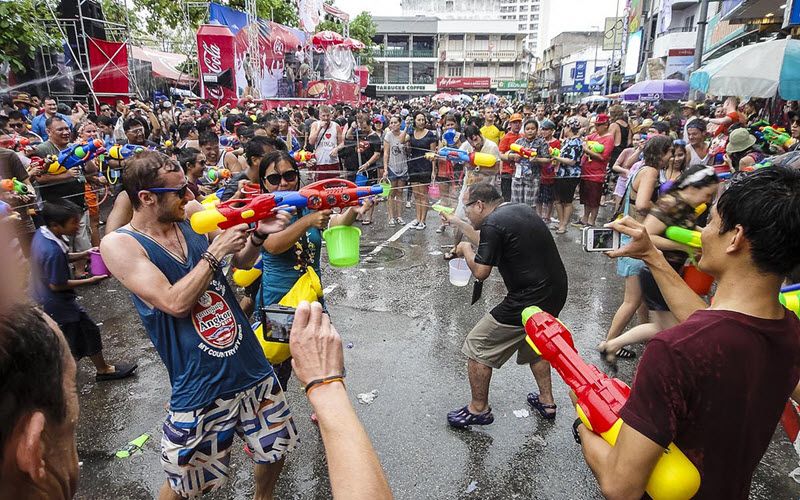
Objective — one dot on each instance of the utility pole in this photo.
(701, 34)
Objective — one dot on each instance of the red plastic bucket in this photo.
(697, 280)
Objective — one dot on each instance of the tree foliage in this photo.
(362, 28)
(21, 33)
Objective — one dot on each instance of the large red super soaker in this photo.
(600, 399)
(321, 195)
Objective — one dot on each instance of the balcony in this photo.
(391, 52)
(480, 55)
(676, 38)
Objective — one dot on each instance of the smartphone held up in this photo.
(600, 239)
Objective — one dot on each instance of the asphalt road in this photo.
(403, 324)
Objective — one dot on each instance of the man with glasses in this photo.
(136, 133)
(17, 124)
(39, 124)
(221, 381)
(506, 236)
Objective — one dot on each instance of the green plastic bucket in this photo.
(386, 188)
(343, 245)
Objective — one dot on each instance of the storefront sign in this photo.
(403, 87)
(512, 85)
(462, 83)
(678, 62)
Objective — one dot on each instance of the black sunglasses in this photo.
(180, 191)
(288, 176)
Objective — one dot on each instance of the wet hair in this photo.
(697, 124)
(55, 118)
(31, 369)
(450, 117)
(766, 203)
(59, 212)
(16, 114)
(616, 112)
(187, 157)
(274, 158)
(485, 192)
(424, 115)
(662, 127)
(471, 131)
(654, 150)
(208, 138)
(144, 171)
(185, 128)
(257, 147)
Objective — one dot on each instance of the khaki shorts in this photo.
(492, 343)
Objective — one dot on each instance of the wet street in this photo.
(403, 324)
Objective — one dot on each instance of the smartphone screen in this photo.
(600, 239)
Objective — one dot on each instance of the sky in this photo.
(565, 15)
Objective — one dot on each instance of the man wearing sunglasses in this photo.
(221, 381)
(17, 124)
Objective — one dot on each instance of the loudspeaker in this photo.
(92, 13)
(371, 91)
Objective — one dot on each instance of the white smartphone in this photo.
(600, 239)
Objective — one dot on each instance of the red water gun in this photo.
(332, 193)
(15, 142)
(526, 153)
(321, 195)
(600, 399)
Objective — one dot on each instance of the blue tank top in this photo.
(213, 351)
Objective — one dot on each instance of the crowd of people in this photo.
(709, 166)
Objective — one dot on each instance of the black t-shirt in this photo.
(516, 241)
(716, 386)
(71, 189)
(368, 144)
(233, 185)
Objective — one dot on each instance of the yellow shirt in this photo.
(492, 133)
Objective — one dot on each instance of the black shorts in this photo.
(83, 337)
(423, 177)
(650, 292)
(564, 188)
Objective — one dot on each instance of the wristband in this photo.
(323, 381)
(254, 237)
(212, 261)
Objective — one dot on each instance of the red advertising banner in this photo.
(462, 82)
(216, 61)
(109, 69)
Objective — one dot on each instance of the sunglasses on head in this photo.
(180, 191)
(288, 176)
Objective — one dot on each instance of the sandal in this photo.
(463, 418)
(533, 400)
(625, 353)
(366, 222)
(561, 231)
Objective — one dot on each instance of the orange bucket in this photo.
(697, 280)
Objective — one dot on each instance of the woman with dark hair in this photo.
(445, 172)
(644, 181)
(193, 163)
(286, 255)
(420, 169)
(677, 163)
(677, 207)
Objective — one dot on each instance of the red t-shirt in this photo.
(504, 145)
(716, 385)
(723, 129)
(548, 172)
(595, 170)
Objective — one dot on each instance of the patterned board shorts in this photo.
(196, 445)
(524, 189)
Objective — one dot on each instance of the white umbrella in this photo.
(758, 70)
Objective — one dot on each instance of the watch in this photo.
(578, 422)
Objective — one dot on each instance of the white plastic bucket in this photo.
(459, 272)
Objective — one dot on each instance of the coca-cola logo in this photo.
(211, 58)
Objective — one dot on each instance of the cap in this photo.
(601, 119)
(688, 104)
(548, 124)
(516, 117)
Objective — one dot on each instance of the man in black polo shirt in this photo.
(512, 237)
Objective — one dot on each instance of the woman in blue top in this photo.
(287, 254)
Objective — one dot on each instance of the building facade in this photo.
(531, 17)
(547, 78)
(420, 55)
(452, 9)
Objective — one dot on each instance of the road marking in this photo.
(391, 239)
(328, 289)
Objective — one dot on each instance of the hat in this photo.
(645, 126)
(739, 140)
(601, 119)
(22, 97)
(378, 119)
(573, 122)
(166, 104)
(509, 110)
(444, 110)
(516, 117)
(688, 104)
(548, 124)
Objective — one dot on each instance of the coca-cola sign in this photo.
(462, 82)
(213, 64)
(215, 53)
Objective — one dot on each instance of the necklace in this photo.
(182, 257)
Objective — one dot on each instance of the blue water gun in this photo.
(78, 154)
(229, 141)
(124, 151)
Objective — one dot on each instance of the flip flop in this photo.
(625, 353)
(463, 418)
(533, 400)
(120, 371)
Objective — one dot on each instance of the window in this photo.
(508, 37)
(458, 38)
(523, 8)
(534, 17)
(689, 22)
(534, 26)
(534, 8)
(454, 70)
(448, 4)
(398, 72)
(521, 27)
(523, 17)
(481, 38)
(422, 72)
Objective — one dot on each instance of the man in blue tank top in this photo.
(221, 382)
